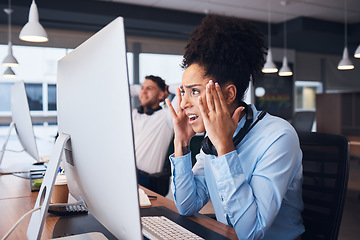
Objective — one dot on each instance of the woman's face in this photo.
(194, 85)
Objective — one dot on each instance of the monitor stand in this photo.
(80, 225)
(20, 169)
(37, 220)
(3, 149)
(85, 236)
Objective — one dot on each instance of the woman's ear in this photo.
(229, 93)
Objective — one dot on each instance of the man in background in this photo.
(153, 129)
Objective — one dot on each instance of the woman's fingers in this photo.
(171, 109)
(215, 98)
(203, 111)
(236, 116)
(173, 113)
(209, 96)
(178, 93)
(221, 103)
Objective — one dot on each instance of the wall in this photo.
(71, 39)
(322, 67)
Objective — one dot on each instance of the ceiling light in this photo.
(345, 63)
(269, 66)
(9, 73)
(285, 69)
(9, 60)
(33, 31)
(357, 52)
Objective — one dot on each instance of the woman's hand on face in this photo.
(183, 130)
(219, 124)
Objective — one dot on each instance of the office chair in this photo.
(303, 121)
(159, 182)
(326, 171)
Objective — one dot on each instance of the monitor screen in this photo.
(21, 117)
(94, 109)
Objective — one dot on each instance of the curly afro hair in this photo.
(230, 50)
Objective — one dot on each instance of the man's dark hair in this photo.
(230, 50)
(158, 80)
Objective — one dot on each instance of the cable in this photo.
(33, 210)
(19, 221)
(269, 24)
(345, 23)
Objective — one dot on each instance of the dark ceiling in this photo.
(303, 34)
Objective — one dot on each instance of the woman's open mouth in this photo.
(192, 118)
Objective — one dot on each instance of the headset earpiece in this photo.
(148, 111)
(208, 147)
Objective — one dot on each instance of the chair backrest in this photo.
(326, 171)
(195, 146)
(303, 121)
(167, 167)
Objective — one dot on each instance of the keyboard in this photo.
(66, 210)
(160, 227)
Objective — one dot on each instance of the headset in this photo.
(148, 111)
(208, 147)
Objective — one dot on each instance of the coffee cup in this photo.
(61, 191)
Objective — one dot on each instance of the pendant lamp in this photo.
(357, 52)
(33, 31)
(9, 73)
(269, 66)
(345, 63)
(9, 60)
(285, 69)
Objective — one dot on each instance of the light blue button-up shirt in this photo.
(256, 188)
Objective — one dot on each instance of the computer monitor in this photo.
(21, 120)
(94, 112)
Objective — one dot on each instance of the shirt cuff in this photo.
(181, 164)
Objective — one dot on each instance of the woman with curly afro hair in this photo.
(250, 162)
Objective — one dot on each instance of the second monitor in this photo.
(21, 121)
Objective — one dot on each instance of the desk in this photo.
(16, 199)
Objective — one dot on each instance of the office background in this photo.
(156, 34)
(159, 30)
